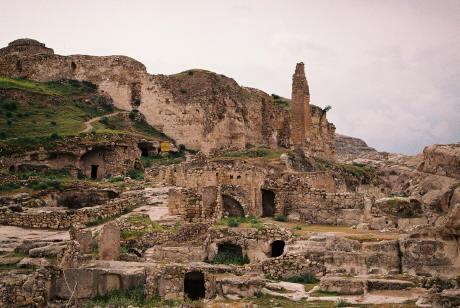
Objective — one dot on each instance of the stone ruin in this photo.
(381, 228)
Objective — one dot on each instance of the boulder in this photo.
(343, 285)
(109, 241)
(442, 159)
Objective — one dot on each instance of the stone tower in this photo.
(300, 108)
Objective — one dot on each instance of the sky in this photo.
(389, 69)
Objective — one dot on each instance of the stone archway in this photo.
(231, 207)
(194, 287)
(268, 203)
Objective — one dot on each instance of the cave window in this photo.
(94, 171)
(73, 66)
(232, 207)
(268, 203)
(277, 248)
(18, 66)
(194, 285)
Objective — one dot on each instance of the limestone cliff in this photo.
(197, 108)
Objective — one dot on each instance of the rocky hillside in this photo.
(199, 109)
(350, 148)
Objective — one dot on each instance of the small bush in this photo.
(104, 120)
(53, 123)
(54, 136)
(8, 114)
(136, 174)
(297, 228)
(2, 135)
(233, 222)
(190, 73)
(9, 122)
(281, 217)
(12, 106)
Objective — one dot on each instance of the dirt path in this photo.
(89, 123)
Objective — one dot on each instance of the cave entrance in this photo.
(194, 285)
(73, 66)
(268, 203)
(232, 207)
(144, 149)
(277, 248)
(94, 171)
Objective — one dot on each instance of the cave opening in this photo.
(277, 248)
(94, 171)
(194, 285)
(268, 203)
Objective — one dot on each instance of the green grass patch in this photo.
(229, 257)
(280, 217)
(134, 297)
(250, 221)
(143, 225)
(59, 107)
(281, 101)
(163, 160)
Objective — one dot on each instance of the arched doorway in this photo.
(232, 207)
(194, 285)
(268, 203)
(277, 248)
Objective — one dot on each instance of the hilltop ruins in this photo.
(194, 189)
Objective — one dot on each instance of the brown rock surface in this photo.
(109, 241)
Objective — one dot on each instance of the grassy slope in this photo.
(46, 108)
(60, 107)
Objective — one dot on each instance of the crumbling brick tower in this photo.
(300, 108)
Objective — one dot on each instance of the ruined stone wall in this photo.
(318, 207)
(64, 219)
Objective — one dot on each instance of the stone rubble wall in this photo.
(65, 219)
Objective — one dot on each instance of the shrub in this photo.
(136, 174)
(104, 120)
(233, 222)
(133, 114)
(9, 122)
(53, 123)
(8, 114)
(190, 73)
(54, 136)
(10, 106)
(2, 135)
(281, 218)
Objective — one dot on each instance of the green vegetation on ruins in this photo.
(142, 224)
(283, 102)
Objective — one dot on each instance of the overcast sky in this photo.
(389, 69)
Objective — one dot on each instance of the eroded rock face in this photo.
(442, 159)
(350, 148)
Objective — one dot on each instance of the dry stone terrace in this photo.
(249, 200)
